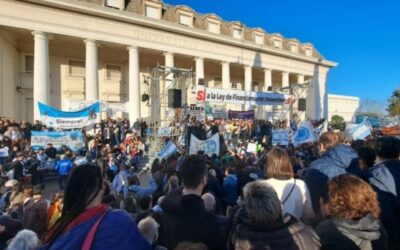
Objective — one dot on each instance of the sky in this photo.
(362, 36)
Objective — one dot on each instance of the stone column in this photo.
(267, 79)
(169, 62)
(226, 77)
(134, 84)
(285, 79)
(199, 69)
(91, 65)
(41, 81)
(302, 92)
(248, 79)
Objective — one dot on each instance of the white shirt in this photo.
(298, 203)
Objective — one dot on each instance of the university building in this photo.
(52, 51)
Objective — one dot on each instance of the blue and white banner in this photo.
(280, 137)
(55, 118)
(164, 131)
(170, 149)
(304, 134)
(71, 139)
(358, 131)
(209, 146)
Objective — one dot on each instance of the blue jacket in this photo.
(63, 166)
(334, 162)
(385, 175)
(125, 236)
(230, 189)
(144, 191)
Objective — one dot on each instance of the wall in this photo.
(345, 106)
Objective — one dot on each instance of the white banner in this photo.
(280, 137)
(304, 134)
(241, 97)
(209, 146)
(4, 152)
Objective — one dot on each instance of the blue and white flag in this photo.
(209, 146)
(170, 149)
(358, 131)
(164, 131)
(304, 134)
(71, 139)
(55, 118)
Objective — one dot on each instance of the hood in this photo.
(366, 228)
(341, 155)
(335, 161)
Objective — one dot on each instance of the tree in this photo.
(394, 103)
(337, 122)
(370, 107)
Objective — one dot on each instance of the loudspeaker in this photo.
(145, 97)
(174, 98)
(201, 82)
(302, 104)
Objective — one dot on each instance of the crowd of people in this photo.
(329, 194)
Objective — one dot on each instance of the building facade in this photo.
(52, 51)
(345, 106)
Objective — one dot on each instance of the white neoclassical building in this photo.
(57, 50)
(345, 106)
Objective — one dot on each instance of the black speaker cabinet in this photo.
(302, 105)
(174, 98)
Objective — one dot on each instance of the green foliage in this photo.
(337, 122)
(394, 103)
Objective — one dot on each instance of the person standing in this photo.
(63, 167)
(35, 214)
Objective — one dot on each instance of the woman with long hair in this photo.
(354, 212)
(293, 193)
(86, 223)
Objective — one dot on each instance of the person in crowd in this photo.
(293, 193)
(385, 175)
(145, 208)
(187, 245)
(51, 151)
(35, 213)
(18, 167)
(148, 227)
(354, 216)
(83, 215)
(55, 208)
(63, 167)
(261, 224)
(24, 240)
(335, 160)
(230, 188)
(185, 208)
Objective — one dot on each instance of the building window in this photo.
(112, 3)
(29, 64)
(76, 68)
(214, 27)
(277, 44)
(185, 20)
(152, 12)
(114, 72)
(237, 33)
(259, 39)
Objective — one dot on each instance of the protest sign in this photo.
(280, 137)
(4, 152)
(55, 118)
(167, 150)
(209, 146)
(254, 98)
(246, 115)
(164, 131)
(304, 134)
(252, 148)
(72, 139)
(219, 113)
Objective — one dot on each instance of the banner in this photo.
(280, 137)
(252, 148)
(209, 146)
(245, 115)
(170, 149)
(197, 111)
(71, 139)
(242, 97)
(304, 134)
(358, 131)
(219, 113)
(55, 118)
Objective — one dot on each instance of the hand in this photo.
(2, 229)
